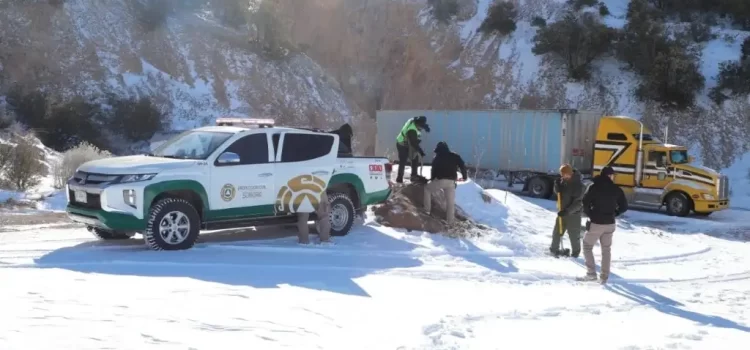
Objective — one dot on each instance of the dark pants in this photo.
(572, 225)
(403, 157)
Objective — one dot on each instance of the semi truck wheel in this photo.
(342, 213)
(678, 204)
(540, 187)
(106, 235)
(173, 224)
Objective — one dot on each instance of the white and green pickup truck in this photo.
(243, 173)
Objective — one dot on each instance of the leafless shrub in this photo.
(24, 167)
(64, 169)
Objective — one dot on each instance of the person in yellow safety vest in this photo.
(407, 145)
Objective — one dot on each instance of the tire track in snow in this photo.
(662, 259)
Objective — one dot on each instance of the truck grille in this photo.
(84, 178)
(723, 189)
(93, 201)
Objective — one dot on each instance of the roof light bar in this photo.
(245, 122)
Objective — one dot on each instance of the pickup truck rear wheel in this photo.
(342, 213)
(173, 224)
(106, 235)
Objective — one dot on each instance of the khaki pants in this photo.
(603, 235)
(449, 186)
(323, 222)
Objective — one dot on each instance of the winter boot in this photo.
(587, 278)
(603, 279)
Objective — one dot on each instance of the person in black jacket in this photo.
(346, 134)
(602, 203)
(443, 176)
(407, 145)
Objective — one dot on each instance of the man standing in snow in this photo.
(407, 145)
(570, 188)
(602, 203)
(443, 176)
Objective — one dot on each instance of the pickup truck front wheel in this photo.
(173, 224)
(342, 213)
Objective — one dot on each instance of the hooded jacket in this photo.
(604, 201)
(571, 194)
(446, 164)
(345, 133)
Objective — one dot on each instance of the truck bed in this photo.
(535, 141)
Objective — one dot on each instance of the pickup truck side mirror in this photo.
(229, 158)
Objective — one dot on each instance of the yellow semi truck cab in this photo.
(655, 174)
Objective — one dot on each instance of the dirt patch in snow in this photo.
(404, 209)
(31, 217)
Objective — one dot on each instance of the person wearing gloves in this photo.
(602, 203)
(570, 188)
(407, 145)
(443, 177)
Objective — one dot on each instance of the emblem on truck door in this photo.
(300, 194)
(228, 192)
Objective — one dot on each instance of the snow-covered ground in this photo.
(676, 283)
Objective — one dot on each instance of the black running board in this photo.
(254, 222)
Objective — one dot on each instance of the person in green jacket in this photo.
(407, 145)
(571, 190)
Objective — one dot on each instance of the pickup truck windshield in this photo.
(192, 145)
(678, 157)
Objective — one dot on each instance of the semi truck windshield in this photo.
(678, 157)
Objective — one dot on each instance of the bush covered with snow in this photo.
(64, 169)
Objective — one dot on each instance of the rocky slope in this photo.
(194, 67)
(396, 55)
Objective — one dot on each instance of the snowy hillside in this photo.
(521, 78)
(676, 283)
(194, 67)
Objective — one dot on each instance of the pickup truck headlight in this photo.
(136, 177)
(708, 197)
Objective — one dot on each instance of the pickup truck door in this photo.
(242, 182)
(304, 165)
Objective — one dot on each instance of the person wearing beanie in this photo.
(443, 176)
(602, 203)
(570, 188)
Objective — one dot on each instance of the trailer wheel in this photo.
(678, 204)
(540, 187)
